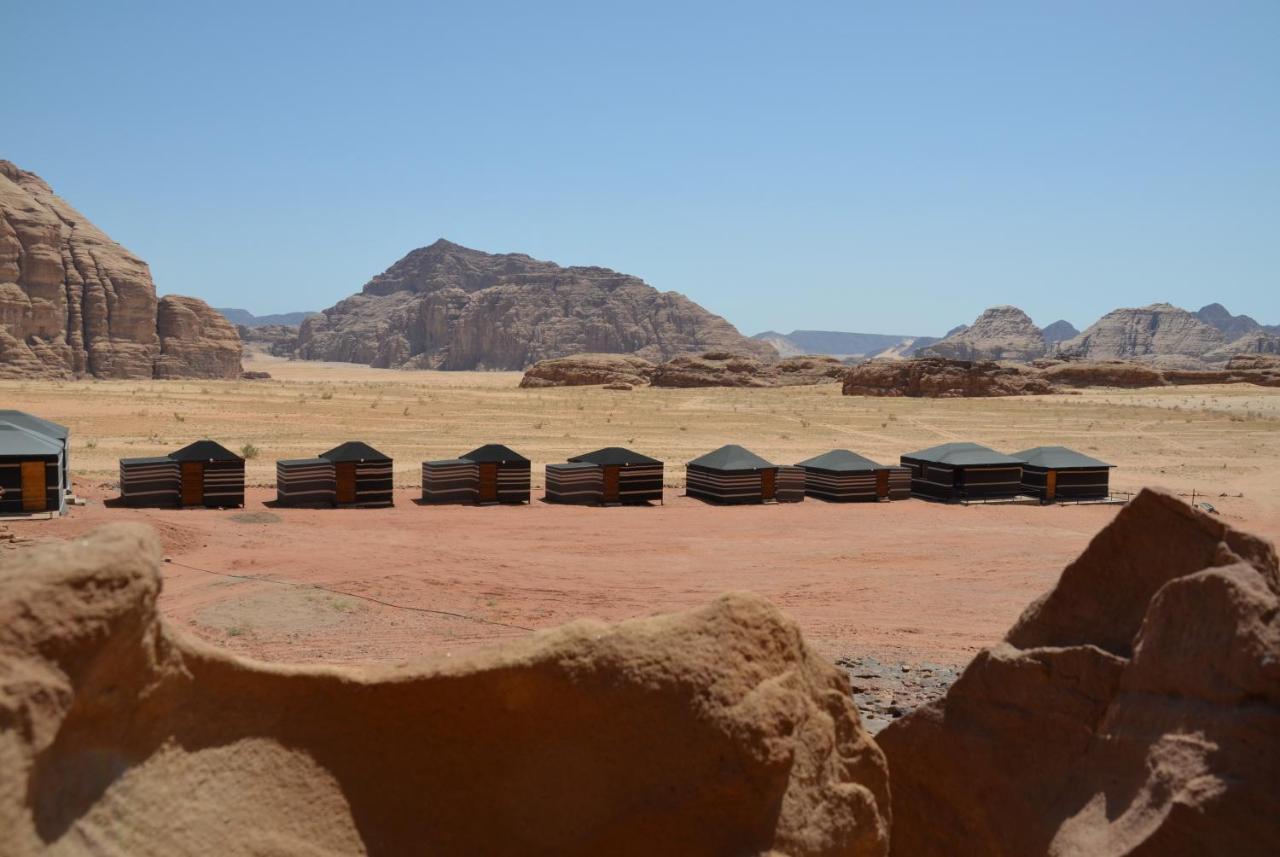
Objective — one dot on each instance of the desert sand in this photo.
(908, 581)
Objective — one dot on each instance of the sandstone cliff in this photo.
(450, 307)
(1000, 333)
(196, 341)
(712, 732)
(1159, 333)
(75, 303)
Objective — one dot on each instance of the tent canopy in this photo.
(962, 455)
(353, 450)
(1057, 458)
(204, 450)
(17, 441)
(613, 455)
(33, 423)
(732, 457)
(495, 453)
(298, 462)
(840, 460)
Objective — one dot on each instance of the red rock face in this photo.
(72, 301)
(196, 341)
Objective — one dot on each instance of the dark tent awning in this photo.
(1057, 458)
(204, 450)
(962, 454)
(299, 462)
(494, 453)
(17, 441)
(732, 457)
(354, 450)
(154, 459)
(613, 456)
(22, 419)
(841, 460)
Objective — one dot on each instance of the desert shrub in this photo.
(249, 451)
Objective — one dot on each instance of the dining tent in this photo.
(362, 475)
(31, 472)
(963, 471)
(1059, 473)
(842, 476)
(732, 474)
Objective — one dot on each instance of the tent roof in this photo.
(204, 450)
(15, 440)
(354, 450)
(301, 461)
(842, 460)
(33, 423)
(732, 457)
(971, 454)
(451, 461)
(612, 455)
(1056, 457)
(153, 459)
(494, 453)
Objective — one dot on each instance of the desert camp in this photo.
(963, 472)
(204, 473)
(1056, 473)
(612, 476)
(842, 476)
(732, 474)
(362, 475)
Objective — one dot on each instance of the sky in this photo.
(867, 166)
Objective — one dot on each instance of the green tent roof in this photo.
(962, 454)
(1057, 458)
(841, 460)
(731, 457)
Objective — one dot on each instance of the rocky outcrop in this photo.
(1060, 331)
(711, 732)
(280, 340)
(934, 377)
(73, 302)
(583, 370)
(196, 341)
(1159, 333)
(1000, 333)
(1134, 709)
(450, 307)
(720, 369)
(1233, 326)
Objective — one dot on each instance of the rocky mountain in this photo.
(1000, 333)
(450, 307)
(1160, 333)
(1233, 326)
(74, 303)
(1059, 331)
(244, 318)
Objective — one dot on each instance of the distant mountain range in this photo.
(248, 319)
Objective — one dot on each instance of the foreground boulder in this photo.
(711, 732)
(1134, 709)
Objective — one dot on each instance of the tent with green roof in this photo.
(1059, 473)
(963, 471)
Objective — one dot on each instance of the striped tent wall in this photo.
(789, 487)
(990, 482)
(1071, 483)
(574, 483)
(640, 483)
(934, 481)
(224, 484)
(899, 483)
(514, 479)
(848, 486)
(374, 483)
(452, 481)
(723, 486)
(306, 482)
(149, 481)
(11, 485)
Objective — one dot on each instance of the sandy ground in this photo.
(907, 581)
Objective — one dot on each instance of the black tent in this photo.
(31, 472)
(732, 474)
(1058, 473)
(621, 476)
(841, 476)
(963, 471)
(362, 475)
(306, 482)
(203, 473)
(502, 474)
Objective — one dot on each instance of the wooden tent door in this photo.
(610, 492)
(1050, 484)
(345, 471)
(193, 483)
(882, 483)
(768, 484)
(489, 483)
(33, 496)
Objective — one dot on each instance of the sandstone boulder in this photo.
(584, 370)
(711, 732)
(451, 307)
(196, 341)
(1000, 333)
(1134, 709)
(935, 377)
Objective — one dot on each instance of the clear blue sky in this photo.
(882, 167)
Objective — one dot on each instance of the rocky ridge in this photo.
(1160, 333)
(1000, 333)
(451, 307)
(74, 303)
(708, 369)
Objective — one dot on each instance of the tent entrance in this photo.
(345, 472)
(193, 483)
(489, 483)
(33, 496)
(882, 484)
(1050, 484)
(768, 484)
(610, 492)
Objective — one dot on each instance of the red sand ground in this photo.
(910, 580)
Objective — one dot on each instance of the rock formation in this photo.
(75, 303)
(280, 340)
(584, 370)
(711, 732)
(1159, 333)
(196, 341)
(1060, 331)
(1000, 333)
(1233, 326)
(1134, 709)
(449, 307)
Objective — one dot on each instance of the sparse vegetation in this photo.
(249, 452)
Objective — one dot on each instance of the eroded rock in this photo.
(1000, 333)
(196, 341)
(582, 370)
